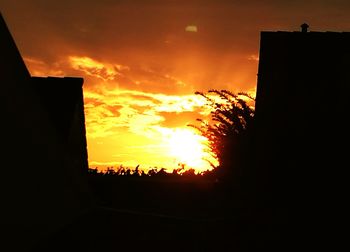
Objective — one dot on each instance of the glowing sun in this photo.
(190, 149)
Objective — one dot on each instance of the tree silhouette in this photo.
(229, 132)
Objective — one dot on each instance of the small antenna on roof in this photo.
(304, 27)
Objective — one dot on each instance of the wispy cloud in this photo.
(137, 111)
(38, 67)
(89, 66)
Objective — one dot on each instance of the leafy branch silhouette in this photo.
(229, 131)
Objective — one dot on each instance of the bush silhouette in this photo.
(229, 133)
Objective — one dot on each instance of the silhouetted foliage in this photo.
(152, 172)
(229, 132)
(123, 172)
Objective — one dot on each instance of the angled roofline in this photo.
(9, 47)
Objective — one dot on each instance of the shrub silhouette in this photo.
(229, 132)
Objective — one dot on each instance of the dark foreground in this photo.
(157, 215)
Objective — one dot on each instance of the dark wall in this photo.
(41, 191)
(302, 105)
(62, 100)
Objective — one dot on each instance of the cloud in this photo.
(179, 119)
(89, 66)
(114, 110)
(138, 112)
(128, 32)
(38, 67)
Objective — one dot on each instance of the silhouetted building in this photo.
(301, 106)
(44, 153)
(302, 132)
(63, 101)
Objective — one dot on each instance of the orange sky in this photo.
(142, 61)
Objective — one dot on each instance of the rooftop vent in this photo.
(304, 27)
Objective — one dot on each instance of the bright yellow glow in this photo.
(187, 147)
(130, 128)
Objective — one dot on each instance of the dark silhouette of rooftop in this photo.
(302, 96)
(301, 120)
(44, 156)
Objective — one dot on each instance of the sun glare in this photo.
(190, 149)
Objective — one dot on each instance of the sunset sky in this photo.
(143, 60)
